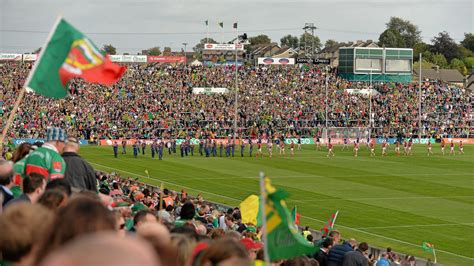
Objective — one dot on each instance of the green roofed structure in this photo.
(376, 64)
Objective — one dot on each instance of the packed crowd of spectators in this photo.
(122, 221)
(154, 101)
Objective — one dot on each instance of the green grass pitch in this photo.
(386, 201)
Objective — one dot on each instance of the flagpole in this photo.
(207, 31)
(264, 218)
(160, 204)
(335, 217)
(236, 86)
(23, 90)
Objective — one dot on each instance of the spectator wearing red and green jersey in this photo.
(47, 160)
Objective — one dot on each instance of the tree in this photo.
(260, 39)
(446, 46)
(312, 41)
(468, 41)
(153, 51)
(198, 47)
(469, 63)
(109, 49)
(290, 41)
(330, 43)
(459, 65)
(421, 48)
(439, 60)
(167, 51)
(407, 30)
(391, 38)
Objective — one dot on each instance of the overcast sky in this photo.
(24, 23)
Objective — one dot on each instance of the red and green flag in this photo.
(329, 225)
(429, 247)
(69, 54)
(296, 216)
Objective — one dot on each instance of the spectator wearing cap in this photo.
(47, 160)
(357, 257)
(6, 181)
(252, 247)
(79, 173)
(34, 186)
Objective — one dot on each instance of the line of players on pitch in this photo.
(407, 147)
(211, 148)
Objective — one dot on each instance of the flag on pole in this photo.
(146, 172)
(207, 22)
(250, 210)
(235, 25)
(221, 24)
(329, 225)
(70, 54)
(429, 247)
(283, 238)
(296, 216)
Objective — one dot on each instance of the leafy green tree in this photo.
(468, 41)
(445, 45)
(407, 30)
(439, 60)
(260, 39)
(109, 49)
(167, 51)
(330, 43)
(459, 65)
(391, 38)
(153, 51)
(290, 41)
(312, 41)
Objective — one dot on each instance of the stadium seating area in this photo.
(154, 101)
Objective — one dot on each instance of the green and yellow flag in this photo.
(283, 238)
(70, 54)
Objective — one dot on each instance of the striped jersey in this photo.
(47, 162)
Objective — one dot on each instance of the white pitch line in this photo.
(306, 217)
(388, 198)
(415, 225)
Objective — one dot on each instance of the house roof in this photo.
(447, 75)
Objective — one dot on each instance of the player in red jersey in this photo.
(356, 149)
(397, 148)
(384, 148)
(451, 148)
(372, 149)
(461, 147)
(292, 149)
(443, 144)
(259, 149)
(330, 150)
(282, 148)
(410, 144)
(429, 146)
